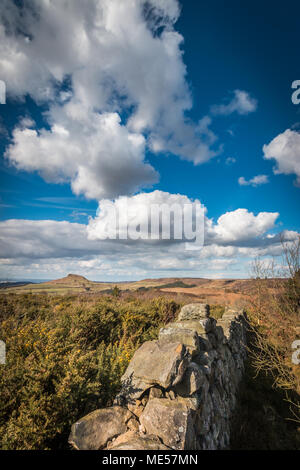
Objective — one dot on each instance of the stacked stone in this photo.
(178, 392)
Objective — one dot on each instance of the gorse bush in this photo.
(65, 357)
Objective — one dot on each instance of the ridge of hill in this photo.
(70, 279)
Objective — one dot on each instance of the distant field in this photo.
(74, 284)
(213, 291)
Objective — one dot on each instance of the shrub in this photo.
(275, 318)
(65, 357)
(217, 311)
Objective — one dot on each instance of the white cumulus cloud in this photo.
(163, 214)
(255, 181)
(49, 248)
(240, 225)
(285, 150)
(95, 153)
(114, 79)
(241, 103)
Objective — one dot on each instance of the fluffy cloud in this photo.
(161, 212)
(105, 46)
(113, 77)
(241, 225)
(51, 248)
(40, 239)
(255, 181)
(285, 149)
(241, 103)
(98, 155)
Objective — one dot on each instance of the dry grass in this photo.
(275, 319)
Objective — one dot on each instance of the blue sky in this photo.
(233, 66)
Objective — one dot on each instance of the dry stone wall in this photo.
(178, 392)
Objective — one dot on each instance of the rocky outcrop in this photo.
(178, 392)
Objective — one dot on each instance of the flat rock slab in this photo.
(156, 362)
(94, 430)
(193, 325)
(194, 312)
(171, 421)
(182, 332)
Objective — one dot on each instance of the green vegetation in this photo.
(65, 357)
(66, 354)
(175, 284)
(116, 291)
(217, 311)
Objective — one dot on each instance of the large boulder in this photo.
(94, 430)
(194, 311)
(171, 421)
(155, 363)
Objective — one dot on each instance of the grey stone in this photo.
(171, 421)
(194, 312)
(176, 333)
(208, 324)
(192, 381)
(155, 363)
(94, 430)
(155, 392)
(191, 325)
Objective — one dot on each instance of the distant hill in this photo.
(71, 280)
(71, 283)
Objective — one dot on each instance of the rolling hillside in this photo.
(215, 291)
